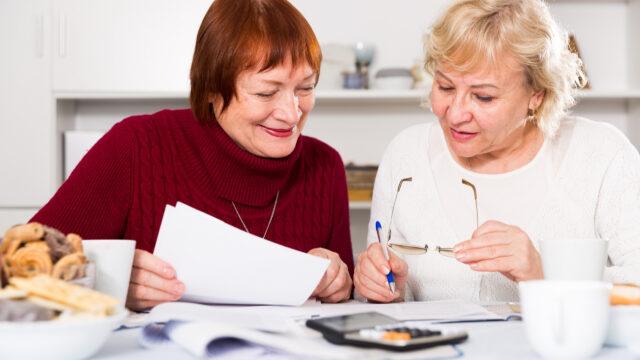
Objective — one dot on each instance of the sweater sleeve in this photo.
(618, 216)
(94, 201)
(340, 241)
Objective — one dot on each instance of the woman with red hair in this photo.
(237, 154)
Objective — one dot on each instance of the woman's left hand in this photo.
(503, 248)
(336, 283)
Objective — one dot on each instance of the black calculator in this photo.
(375, 330)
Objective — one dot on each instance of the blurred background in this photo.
(70, 69)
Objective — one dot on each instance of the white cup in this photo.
(573, 259)
(565, 319)
(113, 260)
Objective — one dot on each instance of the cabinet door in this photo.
(27, 126)
(124, 45)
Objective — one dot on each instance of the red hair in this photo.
(237, 35)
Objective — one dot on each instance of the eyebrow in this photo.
(275, 82)
(475, 86)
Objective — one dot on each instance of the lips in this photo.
(462, 136)
(280, 133)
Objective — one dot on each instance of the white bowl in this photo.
(76, 338)
(624, 326)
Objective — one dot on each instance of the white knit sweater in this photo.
(594, 192)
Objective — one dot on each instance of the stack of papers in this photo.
(221, 264)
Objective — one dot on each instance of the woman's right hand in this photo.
(153, 282)
(370, 275)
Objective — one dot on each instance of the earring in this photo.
(531, 115)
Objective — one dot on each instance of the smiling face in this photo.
(483, 113)
(270, 109)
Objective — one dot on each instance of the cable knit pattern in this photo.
(121, 187)
(595, 192)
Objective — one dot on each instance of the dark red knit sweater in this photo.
(121, 187)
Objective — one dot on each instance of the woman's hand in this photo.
(153, 282)
(370, 276)
(498, 247)
(336, 284)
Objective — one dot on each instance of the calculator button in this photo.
(396, 335)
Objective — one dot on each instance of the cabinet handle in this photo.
(40, 36)
(62, 35)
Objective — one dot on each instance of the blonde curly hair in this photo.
(472, 33)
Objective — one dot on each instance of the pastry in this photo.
(625, 294)
(77, 297)
(28, 262)
(69, 267)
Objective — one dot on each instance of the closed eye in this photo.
(484, 98)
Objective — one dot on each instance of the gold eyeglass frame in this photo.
(409, 249)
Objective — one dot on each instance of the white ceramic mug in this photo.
(565, 319)
(573, 259)
(113, 259)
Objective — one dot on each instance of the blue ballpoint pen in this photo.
(390, 280)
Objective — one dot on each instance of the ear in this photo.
(536, 100)
(216, 104)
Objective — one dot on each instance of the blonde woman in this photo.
(505, 169)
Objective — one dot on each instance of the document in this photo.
(221, 264)
(224, 341)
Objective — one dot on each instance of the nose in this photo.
(458, 111)
(288, 109)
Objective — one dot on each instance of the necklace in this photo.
(273, 211)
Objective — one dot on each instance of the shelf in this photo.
(322, 96)
(359, 205)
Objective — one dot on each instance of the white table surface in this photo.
(487, 340)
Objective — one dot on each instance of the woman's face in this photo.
(270, 109)
(484, 111)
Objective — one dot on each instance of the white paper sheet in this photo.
(280, 318)
(221, 264)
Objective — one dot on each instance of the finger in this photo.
(142, 305)
(501, 264)
(376, 256)
(371, 290)
(145, 260)
(378, 285)
(328, 277)
(398, 266)
(490, 226)
(338, 288)
(484, 253)
(147, 278)
(373, 272)
(488, 239)
(144, 293)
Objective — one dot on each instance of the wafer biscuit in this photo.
(77, 297)
(11, 292)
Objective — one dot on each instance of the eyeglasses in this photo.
(408, 249)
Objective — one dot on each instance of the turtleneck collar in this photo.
(239, 175)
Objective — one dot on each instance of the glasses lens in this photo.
(408, 249)
(448, 252)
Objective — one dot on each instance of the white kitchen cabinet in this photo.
(28, 158)
(124, 46)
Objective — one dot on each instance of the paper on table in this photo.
(279, 318)
(219, 263)
(206, 338)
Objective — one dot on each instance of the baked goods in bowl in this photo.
(32, 249)
(63, 320)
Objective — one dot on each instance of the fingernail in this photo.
(461, 255)
(386, 270)
(457, 248)
(474, 265)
